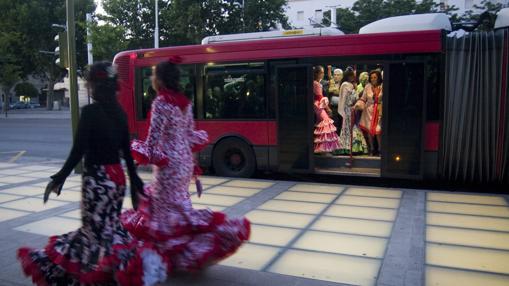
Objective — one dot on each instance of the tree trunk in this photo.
(5, 106)
(49, 96)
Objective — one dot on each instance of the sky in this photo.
(99, 9)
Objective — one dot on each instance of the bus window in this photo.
(146, 94)
(235, 92)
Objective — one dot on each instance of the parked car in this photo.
(19, 105)
(34, 105)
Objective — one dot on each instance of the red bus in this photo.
(254, 98)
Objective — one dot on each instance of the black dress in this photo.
(101, 252)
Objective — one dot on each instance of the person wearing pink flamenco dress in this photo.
(189, 238)
(326, 139)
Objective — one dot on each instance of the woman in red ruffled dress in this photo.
(325, 136)
(101, 251)
(189, 238)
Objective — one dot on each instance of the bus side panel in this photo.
(261, 135)
(432, 136)
(431, 145)
(273, 153)
(125, 64)
(256, 132)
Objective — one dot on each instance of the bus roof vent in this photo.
(502, 19)
(419, 22)
(328, 31)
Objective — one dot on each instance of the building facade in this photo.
(304, 13)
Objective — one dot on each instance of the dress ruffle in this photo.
(134, 264)
(189, 239)
(100, 252)
(326, 139)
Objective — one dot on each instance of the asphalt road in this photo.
(39, 138)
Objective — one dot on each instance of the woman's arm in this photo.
(146, 152)
(198, 138)
(79, 146)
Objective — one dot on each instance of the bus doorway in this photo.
(347, 133)
(295, 118)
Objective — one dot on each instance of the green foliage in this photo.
(27, 26)
(363, 12)
(183, 22)
(347, 21)
(136, 19)
(9, 75)
(491, 7)
(107, 41)
(26, 89)
(261, 15)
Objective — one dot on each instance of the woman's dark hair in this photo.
(316, 72)
(348, 75)
(378, 74)
(168, 74)
(102, 76)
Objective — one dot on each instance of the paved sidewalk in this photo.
(303, 233)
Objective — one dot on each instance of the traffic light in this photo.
(61, 50)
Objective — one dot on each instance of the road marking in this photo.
(16, 157)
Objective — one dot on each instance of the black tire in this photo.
(232, 157)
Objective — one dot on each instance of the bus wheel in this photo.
(234, 158)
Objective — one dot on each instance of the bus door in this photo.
(144, 95)
(295, 118)
(403, 120)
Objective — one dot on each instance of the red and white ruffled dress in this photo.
(325, 137)
(101, 252)
(189, 238)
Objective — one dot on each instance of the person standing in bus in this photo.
(334, 85)
(189, 238)
(371, 105)
(351, 139)
(325, 136)
(363, 80)
(101, 251)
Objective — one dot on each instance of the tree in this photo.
(490, 8)
(346, 20)
(26, 89)
(9, 75)
(261, 15)
(107, 41)
(136, 18)
(10, 43)
(26, 30)
(364, 12)
(187, 21)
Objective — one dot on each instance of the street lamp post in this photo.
(156, 32)
(73, 80)
(243, 17)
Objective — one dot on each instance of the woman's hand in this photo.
(54, 186)
(328, 110)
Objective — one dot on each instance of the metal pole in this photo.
(156, 32)
(73, 80)
(89, 48)
(89, 40)
(243, 16)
